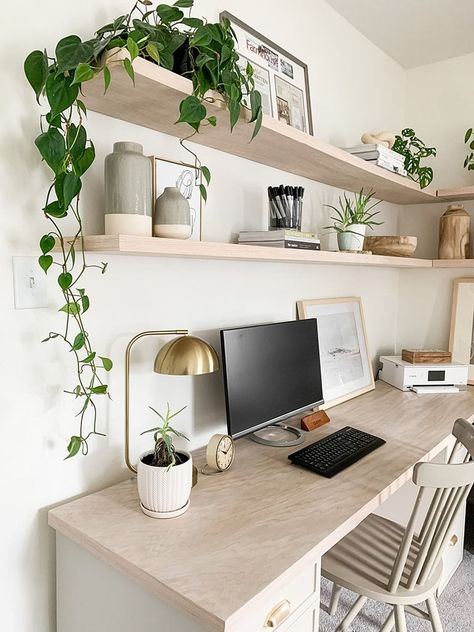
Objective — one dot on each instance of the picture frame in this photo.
(461, 332)
(346, 368)
(281, 78)
(187, 178)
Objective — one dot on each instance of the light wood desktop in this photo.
(252, 538)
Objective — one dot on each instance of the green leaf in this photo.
(71, 51)
(79, 342)
(89, 358)
(166, 59)
(73, 446)
(212, 120)
(85, 161)
(65, 280)
(206, 173)
(61, 93)
(45, 261)
(255, 104)
(153, 51)
(184, 4)
(99, 390)
(127, 64)
(133, 49)
(81, 107)
(36, 71)
(55, 209)
(71, 188)
(76, 139)
(191, 110)
(468, 135)
(258, 124)
(70, 308)
(203, 192)
(193, 23)
(107, 363)
(47, 243)
(234, 110)
(202, 37)
(169, 14)
(83, 73)
(85, 303)
(52, 148)
(107, 78)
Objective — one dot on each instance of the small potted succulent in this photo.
(352, 219)
(164, 474)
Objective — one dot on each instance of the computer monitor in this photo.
(271, 372)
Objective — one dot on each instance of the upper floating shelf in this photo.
(455, 195)
(154, 102)
(154, 246)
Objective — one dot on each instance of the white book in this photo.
(369, 152)
(390, 166)
(275, 235)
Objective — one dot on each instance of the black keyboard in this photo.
(336, 452)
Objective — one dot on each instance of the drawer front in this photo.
(280, 603)
(453, 554)
(304, 623)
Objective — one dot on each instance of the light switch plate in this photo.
(29, 283)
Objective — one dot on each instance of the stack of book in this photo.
(381, 156)
(281, 238)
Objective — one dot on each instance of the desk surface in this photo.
(247, 527)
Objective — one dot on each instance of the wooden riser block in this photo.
(315, 420)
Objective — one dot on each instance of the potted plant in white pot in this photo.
(164, 474)
(352, 219)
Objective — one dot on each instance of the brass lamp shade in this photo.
(186, 355)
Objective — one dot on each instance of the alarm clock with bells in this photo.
(220, 454)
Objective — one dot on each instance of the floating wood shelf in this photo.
(455, 195)
(153, 246)
(154, 102)
(453, 263)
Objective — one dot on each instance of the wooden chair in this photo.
(384, 561)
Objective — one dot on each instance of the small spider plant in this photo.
(358, 211)
(165, 452)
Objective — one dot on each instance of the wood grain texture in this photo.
(154, 103)
(249, 531)
(454, 233)
(426, 356)
(155, 246)
(393, 246)
(456, 194)
(314, 420)
(453, 263)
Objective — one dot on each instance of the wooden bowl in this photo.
(392, 246)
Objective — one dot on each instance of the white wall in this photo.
(439, 108)
(141, 293)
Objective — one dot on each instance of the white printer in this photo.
(423, 378)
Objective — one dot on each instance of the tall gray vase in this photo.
(172, 217)
(128, 198)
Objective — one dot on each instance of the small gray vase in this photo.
(172, 217)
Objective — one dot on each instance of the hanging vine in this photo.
(164, 35)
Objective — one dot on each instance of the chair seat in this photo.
(364, 559)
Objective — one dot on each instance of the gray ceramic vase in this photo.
(128, 190)
(172, 217)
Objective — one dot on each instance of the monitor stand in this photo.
(278, 436)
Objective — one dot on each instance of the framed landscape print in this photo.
(461, 335)
(346, 370)
(281, 78)
(186, 178)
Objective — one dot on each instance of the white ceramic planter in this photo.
(164, 490)
(353, 240)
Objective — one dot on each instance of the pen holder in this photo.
(285, 205)
(277, 222)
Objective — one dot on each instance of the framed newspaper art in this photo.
(281, 78)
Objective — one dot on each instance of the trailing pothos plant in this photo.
(164, 35)
(469, 159)
(414, 150)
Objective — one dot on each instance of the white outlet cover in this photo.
(29, 283)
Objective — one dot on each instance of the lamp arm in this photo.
(163, 332)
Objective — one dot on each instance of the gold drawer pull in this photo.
(279, 613)
(454, 540)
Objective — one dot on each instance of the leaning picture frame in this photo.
(281, 78)
(461, 333)
(346, 369)
(187, 178)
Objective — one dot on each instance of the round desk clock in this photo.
(220, 453)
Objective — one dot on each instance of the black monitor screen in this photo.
(270, 372)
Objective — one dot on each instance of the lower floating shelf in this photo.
(154, 246)
(453, 263)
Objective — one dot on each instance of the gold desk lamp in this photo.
(186, 355)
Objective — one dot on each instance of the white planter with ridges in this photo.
(353, 239)
(164, 490)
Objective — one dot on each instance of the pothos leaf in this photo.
(36, 71)
(73, 446)
(45, 262)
